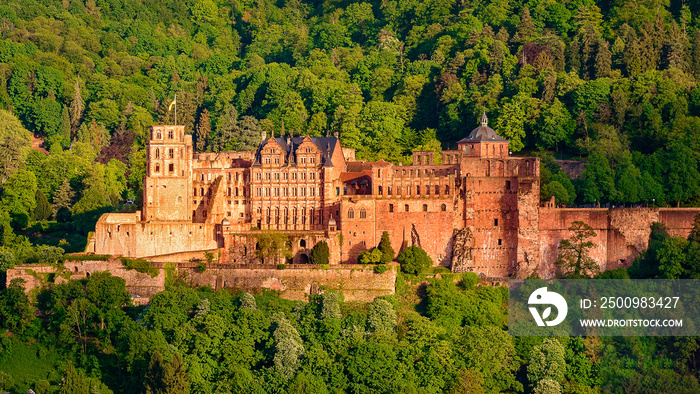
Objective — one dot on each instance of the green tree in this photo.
(18, 195)
(43, 208)
(289, 347)
(672, 258)
(547, 362)
(386, 249)
(15, 142)
(382, 316)
(320, 253)
(414, 260)
(16, 312)
(63, 196)
(574, 260)
(74, 382)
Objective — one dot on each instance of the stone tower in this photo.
(168, 175)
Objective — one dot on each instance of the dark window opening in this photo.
(391, 207)
(499, 242)
(495, 222)
(425, 207)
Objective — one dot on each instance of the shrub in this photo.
(373, 256)
(281, 266)
(380, 269)
(320, 253)
(87, 257)
(201, 267)
(386, 249)
(382, 316)
(414, 260)
(140, 265)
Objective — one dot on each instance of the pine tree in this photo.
(65, 125)
(63, 196)
(155, 375)
(43, 208)
(386, 249)
(176, 380)
(526, 28)
(696, 54)
(77, 106)
(603, 60)
(74, 382)
(203, 131)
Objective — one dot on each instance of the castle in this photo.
(477, 210)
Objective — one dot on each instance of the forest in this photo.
(612, 83)
(441, 332)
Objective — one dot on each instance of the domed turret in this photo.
(483, 141)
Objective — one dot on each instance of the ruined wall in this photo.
(121, 235)
(428, 222)
(141, 286)
(240, 248)
(356, 283)
(621, 234)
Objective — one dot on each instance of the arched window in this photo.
(277, 215)
(267, 213)
(194, 192)
(236, 192)
(351, 214)
(170, 134)
(201, 177)
(157, 167)
(425, 207)
(312, 216)
(229, 192)
(418, 190)
(447, 189)
(303, 216)
(302, 243)
(157, 153)
(363, 213)
(405, 207)
(159, 135)
(179, 198)
(443, 208)
(294, 215)
(391, 207)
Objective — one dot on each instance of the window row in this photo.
(230, 177)
(282, 216)
(427, 190)
(171, 168)
(284, 175)
(286, 192)
(170, 153)
(363, 212)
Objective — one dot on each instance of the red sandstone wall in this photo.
(124, 237)
(622, 234)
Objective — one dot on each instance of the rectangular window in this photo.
(171, 167)
(391, 207)
(337, 191)
(499, 242)
(507, 185)
(495, 222)
(259, 191)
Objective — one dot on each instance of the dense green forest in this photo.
(440, 333)
(610, 82)
(614, 83)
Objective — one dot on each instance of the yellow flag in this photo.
(170, 107)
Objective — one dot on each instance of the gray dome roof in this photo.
(483, 133)
(331, 221)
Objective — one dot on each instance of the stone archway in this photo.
(303, 258)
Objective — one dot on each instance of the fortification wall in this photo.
(144, 239)
(621, 234)
(356, 283)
